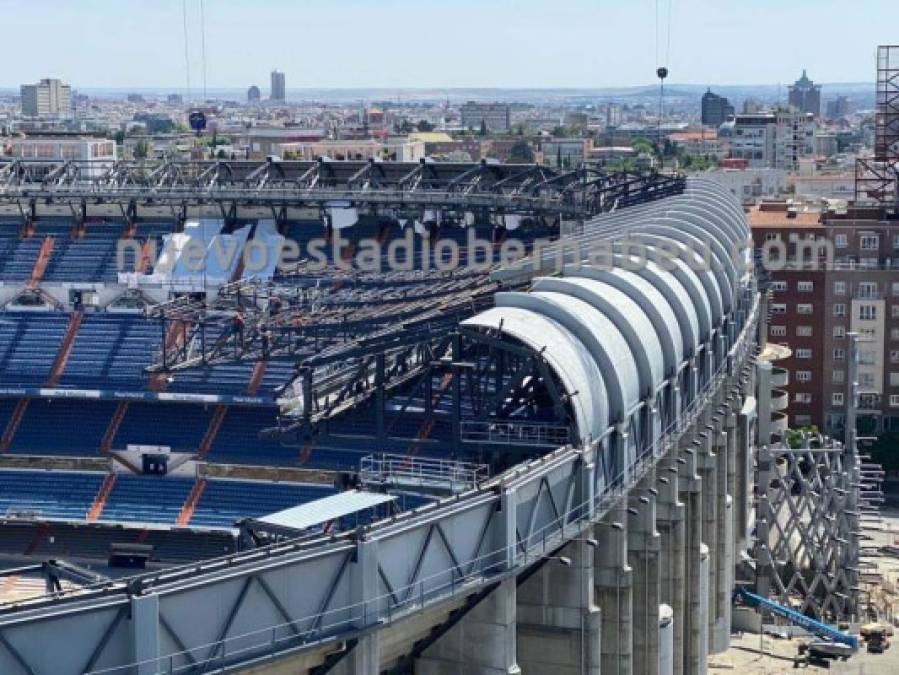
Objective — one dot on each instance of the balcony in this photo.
(779, 423)
(780, 377)
(780, 399)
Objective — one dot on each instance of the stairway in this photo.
(100, 502)
(38, 539)
(40, 265)
(13, 425)
(146, 257)
(65, 349)
(428, 426)
(113, 428)
(190, 504)
(214, 425)
(174, 338)
(256, 378)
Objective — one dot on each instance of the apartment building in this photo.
(816, 304)
(778, 140)
(47, 98)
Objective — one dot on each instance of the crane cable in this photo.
(662, 73)
(186, 48)
(203, 46)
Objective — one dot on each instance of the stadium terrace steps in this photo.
(12, 426)
(40, 265)
(146, 499)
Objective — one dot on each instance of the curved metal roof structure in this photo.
(616, 335)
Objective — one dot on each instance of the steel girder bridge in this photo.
(395, 188)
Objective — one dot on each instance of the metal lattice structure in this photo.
(408, 188)
(808, 537)
(877, 178)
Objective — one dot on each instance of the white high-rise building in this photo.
(47, 98)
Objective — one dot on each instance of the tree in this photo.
(424, 125)
(521, 152)
(142, 149)
(483, 131)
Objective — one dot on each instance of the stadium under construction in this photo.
(573, 463)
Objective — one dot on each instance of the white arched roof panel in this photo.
(599, 336)
(567, 357)
(649, 299)
(628, 317)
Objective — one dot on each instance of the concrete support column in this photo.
(724, 551)
(482, 643)
(763, 570)
(366, 656)
(671, 524)
(613, 579)
(643, 543)
(558, 622)
(708, 471)
(145, 633)
(695, 621)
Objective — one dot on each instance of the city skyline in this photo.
(572, 44)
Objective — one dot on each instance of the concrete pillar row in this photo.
(614, 588)
(643, 558)
(559, 624)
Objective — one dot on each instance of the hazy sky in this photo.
(452, 43)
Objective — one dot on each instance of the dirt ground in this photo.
(745, 657)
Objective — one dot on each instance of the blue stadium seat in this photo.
(48, 494)
(147, 499)
(226, 501)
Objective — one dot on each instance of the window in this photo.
(894, 356)
(894, 400)
(839, 288)
(839, 376)
(841, 241)
(778, 286)
(894, 333)
(839, 354)
(895, 288)
(803, 353)
(896, 241)
(804, 308)
(839, 309)
(805, 286)
(803, 420)
(866, 380)
(778, 308)
(869, 263)
(894, 311)
(839, 331)
(867, 312)
(837, 399)
(870, 242)
(868, 289)
(803, 331)
(802, 398)
(794, 237)
(772, 236)
(803, 376)
(867, 357)
(894, 379)
(778, 331)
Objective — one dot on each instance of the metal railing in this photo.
(518, 433)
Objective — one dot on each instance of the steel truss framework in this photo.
(409, 188)
(877, 178)
(247, 607)
(808, 525)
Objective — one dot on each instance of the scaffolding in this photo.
(877, 178)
